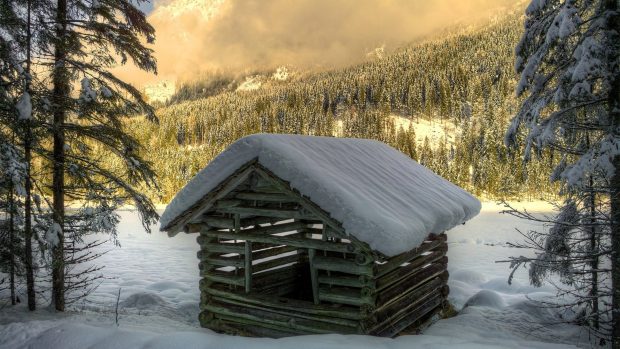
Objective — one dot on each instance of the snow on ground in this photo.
(158, 277)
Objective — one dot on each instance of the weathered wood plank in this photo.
(268, 197)
(389, 294)
(291, 313)
(402, 272)
(256, 316)
(223, 248)
(345, 312)
(346, 280)
(314, 276)
(405, 257)
(341, 265)
(286, 240)
(344, 296)
(409, 299)
(270, 252)
(224, 278)
(272, 263)
(394, 326)
(194, 212)
(267, 212)
(248, 266)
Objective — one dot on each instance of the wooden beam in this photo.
(344, 296)
(344, 312)
(221, 277)
(413, 267)
(273, 263)
(349, 281)
(291, 313)
(405, 257)
(248, 266)
(196, 210)
(314, 276)
(343, 265)
(286, 240)
(269, 197)
(267, 212)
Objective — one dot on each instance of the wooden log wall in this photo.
(410, 287)
(272, 267)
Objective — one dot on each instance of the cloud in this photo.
(243, 35)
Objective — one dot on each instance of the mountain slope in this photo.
(465, 80)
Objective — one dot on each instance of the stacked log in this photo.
(272, 264)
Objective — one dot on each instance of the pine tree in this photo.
(570, 78)
(88, 38)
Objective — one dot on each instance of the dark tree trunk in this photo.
(614, 109)
(28, 186)
(11, 246)
(60, 95)
(594, 250)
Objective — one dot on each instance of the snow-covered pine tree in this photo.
(88, 38)
(15, 40)
(568, 60)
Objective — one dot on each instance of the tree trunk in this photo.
(593, 250)
(28, 185)
(59, 95)
(615, 255)
(11, 246)
(614, 111)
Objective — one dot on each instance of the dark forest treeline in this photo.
(466, 80)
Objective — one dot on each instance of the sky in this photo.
(194, 36)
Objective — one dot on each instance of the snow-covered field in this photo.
(158, 278)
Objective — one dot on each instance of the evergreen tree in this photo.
(568, 60)
(89, 38)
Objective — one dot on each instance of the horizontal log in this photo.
(344, 312)
(225, 262)
(219, 222)
(344, 296)
(221, 277)
(273, 263)
(223, 248)
(225, 203)
(409, 299)
(204, 240)
(402, 272)
(241, 314)
(286, 240)
(267, 212)
(265, 279)
(291, 313)
(259, 331)
(269, 197)
(270, 252)
(405, 257)
(219, 192)
(342, 265)
(392, 293)
(349, 281)
(275, 229)
(393, 327)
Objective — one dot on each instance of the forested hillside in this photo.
(465, 81)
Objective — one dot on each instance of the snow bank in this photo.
(74, 335)
(379, 194)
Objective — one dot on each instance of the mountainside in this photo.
(462, 84)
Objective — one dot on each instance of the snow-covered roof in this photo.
(378, 194)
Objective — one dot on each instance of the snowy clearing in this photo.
(158, 277)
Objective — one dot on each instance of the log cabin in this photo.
(312, 235)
